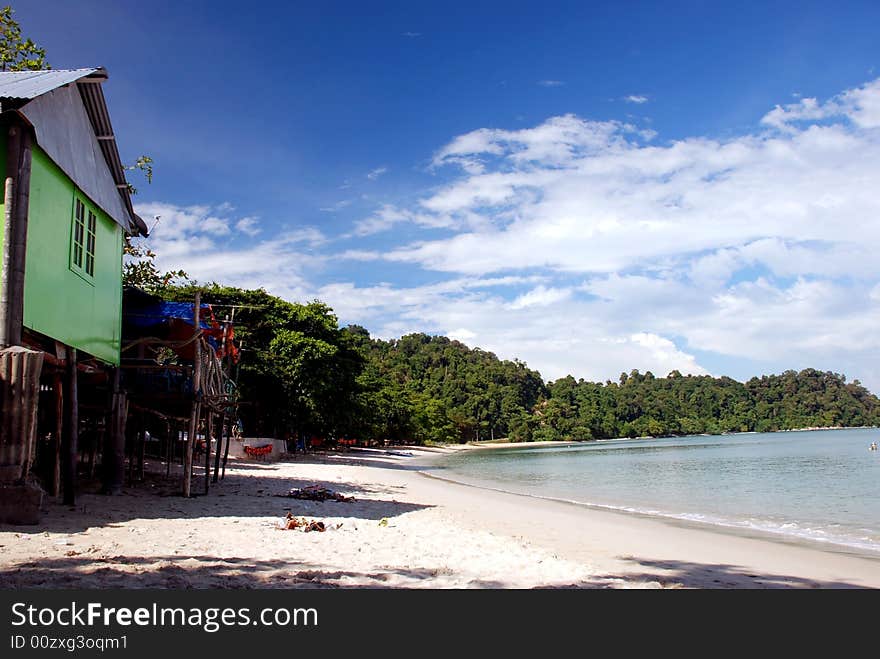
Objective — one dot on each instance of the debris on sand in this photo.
(292, 523)
(316, 493)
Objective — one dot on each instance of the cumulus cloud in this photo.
(555, 331)
(248, 226)
(860, 105)
(759, 247)
(586, 247)
(540, 296)
(388, 215)
(582, 196)
(211, 244)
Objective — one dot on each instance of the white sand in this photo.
(435, 535)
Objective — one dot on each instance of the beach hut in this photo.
(177, 358)
(66, 212)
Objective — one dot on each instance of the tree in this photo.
(139, 268)
(17, 54)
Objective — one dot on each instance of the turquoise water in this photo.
(817, 485)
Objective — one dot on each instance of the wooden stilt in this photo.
(197, 396)
(58, 385)
(71, 430)
(209, 435)
(129, 451)
(169, 447)
(222, 427)
(226, 450)
(114, 440)
(94, 443)
(141, 447)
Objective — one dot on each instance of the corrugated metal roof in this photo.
(96, 107)
(30, 84)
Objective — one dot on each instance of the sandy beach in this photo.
(404, 529)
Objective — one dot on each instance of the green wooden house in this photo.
(62, 280)
(66, 210)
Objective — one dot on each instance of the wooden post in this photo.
(113, 471)
(209, 435)
(15, 308)
(142, 448)
(222, 430)
(6, 263)
(129, 451)
(59, 431)
(135, 450)
(71, 430)
(197, 396)
(169, 447)
(226, 450)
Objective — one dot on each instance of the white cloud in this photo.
(376, 173)
(540, 296)
(583, 196)
(860, 105)
(461, 334)
(569, 338)
(248, 225)
(387, 216)
(580, 248)
(551, 83)
(638, 99)
(197, 239)
(216, 226)
(761, 246)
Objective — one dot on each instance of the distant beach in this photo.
(403, 530)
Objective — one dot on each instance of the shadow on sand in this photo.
(187, 572)
(249, 490)
(179, 572)
(685, 574)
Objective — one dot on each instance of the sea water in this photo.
(820, 486)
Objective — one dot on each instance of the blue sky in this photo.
(590, 187)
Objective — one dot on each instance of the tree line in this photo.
(302, 375)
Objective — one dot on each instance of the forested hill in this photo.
(447, 391)
(641, 405)
(441, 390)
(302, 374)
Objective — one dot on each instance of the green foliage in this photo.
(139, 268)
(642, 405)
(301, 374)
(144, 165)
(17, 54)
(298, 370)
(432, 389)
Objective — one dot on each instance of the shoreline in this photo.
(717, 525)
(405, 529)
(683, 522)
